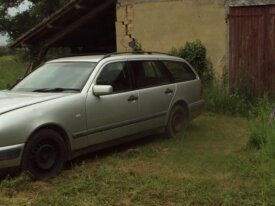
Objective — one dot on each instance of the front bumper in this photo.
(10, 156)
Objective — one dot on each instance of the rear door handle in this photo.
(132, 98)
(169, 91)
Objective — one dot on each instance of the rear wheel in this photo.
(177, 121)
(45, 154)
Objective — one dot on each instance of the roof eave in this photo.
(240, 3)
(20, 42)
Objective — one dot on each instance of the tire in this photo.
(45, 155)
(177, 121)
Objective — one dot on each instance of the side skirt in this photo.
(115, 142)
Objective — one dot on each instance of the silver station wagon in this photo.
(74, 105)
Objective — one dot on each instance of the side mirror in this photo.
(100, 90)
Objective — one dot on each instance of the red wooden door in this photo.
(252, 48)
(270, 62)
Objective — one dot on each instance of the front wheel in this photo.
(45, 154)
(177, 121)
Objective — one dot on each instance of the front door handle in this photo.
(132, 98)
(169, 91)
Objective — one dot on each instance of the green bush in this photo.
(195, 53)
(5, 51)
(10, 70)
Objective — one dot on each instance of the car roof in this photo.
(98, 58)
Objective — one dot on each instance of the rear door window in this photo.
(147, 74)
(180, 71)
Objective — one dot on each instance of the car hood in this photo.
(10, 101)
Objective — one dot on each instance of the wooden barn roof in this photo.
(54, 29)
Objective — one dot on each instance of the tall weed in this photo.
(262, 129)
(262, 142)
(220, 99)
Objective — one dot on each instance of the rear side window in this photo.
(180, 71)
(147, 74)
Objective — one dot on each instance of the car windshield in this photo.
(57, 77)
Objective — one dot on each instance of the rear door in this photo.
(155, 90)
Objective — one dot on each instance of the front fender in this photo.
(68, 112)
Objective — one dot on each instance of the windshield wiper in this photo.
(56, 90)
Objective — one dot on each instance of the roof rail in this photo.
(113, 54)
(135, 52)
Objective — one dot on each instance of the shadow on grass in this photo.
(11, 173)
(133, 145)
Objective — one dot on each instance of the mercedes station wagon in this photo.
(74, 105)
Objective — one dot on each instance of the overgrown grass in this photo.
(262, 140)
(259, 164)
(10, 70)
(262, 129)
(206, 166)
(220, 99)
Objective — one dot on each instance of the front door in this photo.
(111, 116)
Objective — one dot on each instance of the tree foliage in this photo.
(16, 25)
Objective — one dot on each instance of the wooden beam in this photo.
(39, 27)
(23, 44)
(50, 26)
(39, 58)
(79, 6)
(78, 23)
